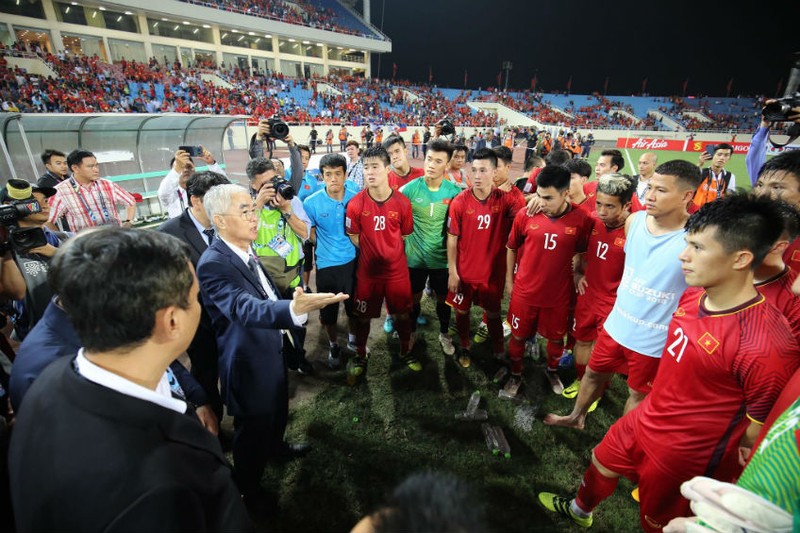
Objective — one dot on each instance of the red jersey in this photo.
(605, 263)
(396, 181)
(716, 367)
(792, 255)
(778, 292)
(636, 205)
(481, 228)
(381, 227)
(545, 247)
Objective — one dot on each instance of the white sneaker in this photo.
(352, 347)
(506, 328)
(555, 381)
(447, 344)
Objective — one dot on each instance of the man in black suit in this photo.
(248, 316)
(194, 228)
(102, 444)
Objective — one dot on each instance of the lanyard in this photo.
(92, 216)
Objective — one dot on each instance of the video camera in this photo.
(278, 129)
(21, 239)
(780, 109)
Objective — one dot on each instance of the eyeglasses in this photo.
(247, 214)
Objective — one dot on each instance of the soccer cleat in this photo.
(566, 360)
(555, 381)
(356, 367)
(411, 362)
(532, 349)
(447, 344)
(593, 406)
(353, 348)
(482, 334)
(463, 359)
(335, 357)
(572, 390)
(558, 504)
(506, 329)
(388, 325)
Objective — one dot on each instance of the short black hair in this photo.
(687, 174)
(460, 148)
(377, 151)
(258, 166)
(723, 146)
(441, 145)
(77, 156)
(788, 162)
(332, 161)
(487, 154)
(616, 158)
(557, 157)
(47, 154)
(742, 222)
(554, 176)
(503, 153)
(304, 148)
(533, 161)
(112, 281)
(791, 218)
(393, 139)
(431, 502)
(578, 166)
(352, 142)
(199, 183)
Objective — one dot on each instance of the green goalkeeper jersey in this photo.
(426, 247)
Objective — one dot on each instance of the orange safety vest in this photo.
(415, 138)
(379, 137)
(711, 187)
(342, 134)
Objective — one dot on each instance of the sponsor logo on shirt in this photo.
(708, 343)
(679, 312)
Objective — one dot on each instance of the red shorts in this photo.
(487, 296)
(370, 293)
(660, 498)
(589, 319)
(526, 320)
(610, 356)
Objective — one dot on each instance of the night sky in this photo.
(626, 41)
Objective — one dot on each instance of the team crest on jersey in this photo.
(619, 241)
(418, 200)
(392, 214)
(533, 227)
(365, 213)
(570, 230)
(680, 312)
(446, 201)
(795, 256)
(708, 343)
(470, 211)
(495, 209)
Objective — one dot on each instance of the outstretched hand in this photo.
(303, 302)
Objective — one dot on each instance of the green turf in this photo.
(368, 438)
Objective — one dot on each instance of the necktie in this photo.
(209, 233)
(253, 266)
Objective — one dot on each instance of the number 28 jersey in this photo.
(381, 227)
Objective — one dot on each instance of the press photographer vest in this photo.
(711, 188)
(284, 270)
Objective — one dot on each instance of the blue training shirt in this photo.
(334, 247)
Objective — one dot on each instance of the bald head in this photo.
(648, 162)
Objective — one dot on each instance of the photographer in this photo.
(172, 189)
(14, 283)
(757, 154)
(262, 144)
(283, 227)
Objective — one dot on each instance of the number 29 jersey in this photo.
(381, 227)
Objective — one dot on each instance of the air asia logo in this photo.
(649, 144)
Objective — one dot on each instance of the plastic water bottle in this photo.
(479, 414)
(502, 443)
(491, 440)
(474, 400)
(500, 375)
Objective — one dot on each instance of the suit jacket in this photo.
(84, 457)
(252, 370)
(183, 228)
(53, 338)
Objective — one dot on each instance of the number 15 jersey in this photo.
(381, 227)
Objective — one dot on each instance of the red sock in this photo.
(362, 333)
(403, 327)
(554, 350)
(516, 349)
(580, 369)
(462, 324)
(495, 326)
(595, 488)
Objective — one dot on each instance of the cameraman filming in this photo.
(262, 144)
(11, 278)
(283, 227)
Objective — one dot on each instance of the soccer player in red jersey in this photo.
(580, 171)
(780, 179)
(599, 270)
(541, 290)
(728, 355)
(378, 220)
(402, 172)
(476, 233)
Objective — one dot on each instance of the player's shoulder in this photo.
(400, 199)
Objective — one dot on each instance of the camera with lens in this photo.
(779, 110)
(447, 127)
(21, 239)
(282, 187)
(278, 129)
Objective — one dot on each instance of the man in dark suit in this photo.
(194, 228)
(129, 455)
(248, 316)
